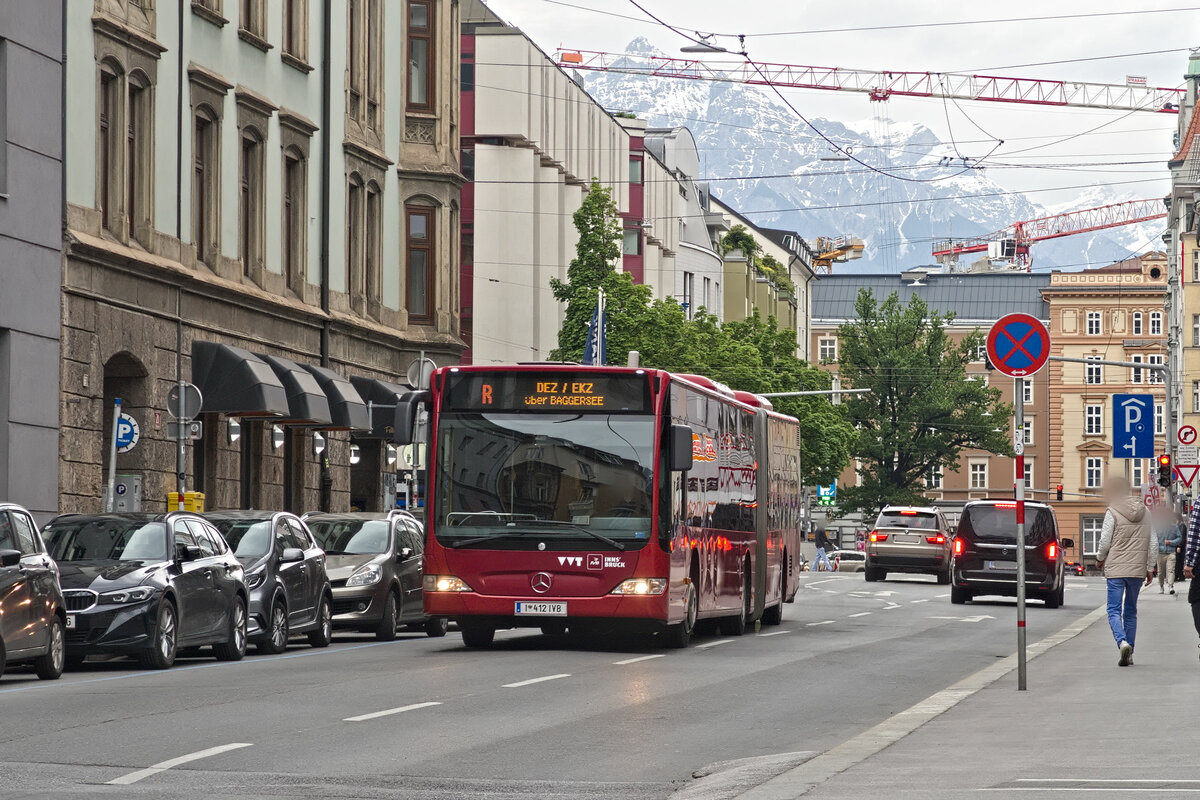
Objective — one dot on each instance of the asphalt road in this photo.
(535, 717)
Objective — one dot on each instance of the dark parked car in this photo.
(985, 552)
(285, 574)
(374, 562)
(32, 619)
(147, 585)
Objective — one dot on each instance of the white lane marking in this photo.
(926, 600)
(519, 684)
(639, 658)
(774, 633)
(163, 766)
(802, 779)
(943, 595)
(861, 614)
(826, 580)
(890, 607)
(713, 643)
(822, 622)
(388, 712)
(860, 594)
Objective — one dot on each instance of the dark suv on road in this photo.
(985, 552)
(285, 575)
(147, 585)
(32, 620)
(374, 561)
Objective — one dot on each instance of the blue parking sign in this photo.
(1133, 426)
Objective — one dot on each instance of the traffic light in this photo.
(1059, 491)
(1164, 470)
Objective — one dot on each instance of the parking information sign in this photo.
(1018, 345)
(1133, 426)
(128, 433)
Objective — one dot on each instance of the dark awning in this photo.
(307, 404)
(347, 409)
(384, 395)
(235, 381)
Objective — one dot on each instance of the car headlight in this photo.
(255, 579)
(123, 596)
(366, 576)
(645, 586)
(445, 583)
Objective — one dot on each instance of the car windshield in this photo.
(246, 537)
(907, 519)
(350, 537)
(560, 476)
(104, 539)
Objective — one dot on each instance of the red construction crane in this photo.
(883, 84)
(1012, 243)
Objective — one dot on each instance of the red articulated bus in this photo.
(598, 498)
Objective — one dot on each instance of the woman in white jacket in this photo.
(1127, 555)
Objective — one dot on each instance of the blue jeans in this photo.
(1123, 620)
(821, 557)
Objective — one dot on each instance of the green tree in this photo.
(922, 411)
(593, 268)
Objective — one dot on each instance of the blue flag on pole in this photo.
(594, 347)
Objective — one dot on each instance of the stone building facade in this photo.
(31, 206)
(263, 199)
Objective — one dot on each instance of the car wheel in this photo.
(161, 654)
(958, 595)
(736, 626)
(323, 635)
(435, 628)
(680, 634)
(234, 647)
(1054, 598)
(49, 667)
(277, 630)
(943, 577)
(476, 635)
(386, 631)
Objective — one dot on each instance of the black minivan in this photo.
(984, 558)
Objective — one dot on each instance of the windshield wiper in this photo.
(487, 538)
(583, 528)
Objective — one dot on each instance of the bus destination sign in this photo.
(547, 391)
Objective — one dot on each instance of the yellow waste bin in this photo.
(192, 501)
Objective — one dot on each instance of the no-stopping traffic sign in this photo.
(1018, 345)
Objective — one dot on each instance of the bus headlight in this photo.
(445, 583)
(645, 586)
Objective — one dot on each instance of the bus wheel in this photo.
(477, 635)
(736, 625)
(680, 635)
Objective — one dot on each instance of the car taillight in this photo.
(936, 539)
(1052, 551)
(958, 547)
(876, 536)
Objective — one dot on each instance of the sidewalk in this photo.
(1083, 721)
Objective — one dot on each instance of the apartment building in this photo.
(263, 200)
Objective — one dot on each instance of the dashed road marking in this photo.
(636, 660)
(713, 643)
(774, 633)
(861, 614)
(926, 600)
(947, 594)
(822, 622)
(542, 679)
(388, 712)
(163, 766)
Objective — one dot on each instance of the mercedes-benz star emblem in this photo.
(540, 582)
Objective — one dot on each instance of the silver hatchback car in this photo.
(913, 539)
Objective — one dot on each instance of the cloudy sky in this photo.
(1052, 138)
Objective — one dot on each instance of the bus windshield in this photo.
(514, 480)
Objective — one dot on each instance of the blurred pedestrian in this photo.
(1189, 563)
(1127, 554)
(1169, 537)
(823, 544)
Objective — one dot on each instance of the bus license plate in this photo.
(538, 609)
(70, 621)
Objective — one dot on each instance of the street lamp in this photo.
(703, 47)
(233, 430)
(355, 454)
(318, 443)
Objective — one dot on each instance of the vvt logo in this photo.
(570, 561)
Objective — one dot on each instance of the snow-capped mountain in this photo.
(779, 171)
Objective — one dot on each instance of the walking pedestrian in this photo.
(1189, 564)
(822, 543)
(1127, 555)
(1169, 537)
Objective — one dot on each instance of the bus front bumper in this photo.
(512, 611)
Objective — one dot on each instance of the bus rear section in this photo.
(558, 501)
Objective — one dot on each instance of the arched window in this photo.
(205, 183)
(138, 180)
